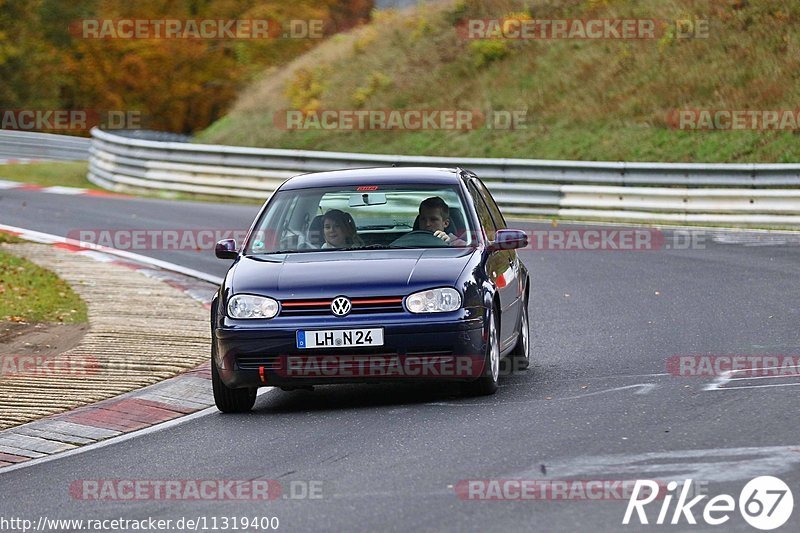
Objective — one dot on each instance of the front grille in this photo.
(322, 307)
(253, 362)
(278, 362)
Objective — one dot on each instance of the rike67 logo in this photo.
(765, 503)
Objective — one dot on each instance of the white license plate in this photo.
(339, 338)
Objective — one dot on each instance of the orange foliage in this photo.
(178, 85)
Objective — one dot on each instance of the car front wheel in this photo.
(487, 383)
(230, 400)
(520, 356)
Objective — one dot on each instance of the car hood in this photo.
(352, 273)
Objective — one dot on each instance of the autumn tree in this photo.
(178, 85)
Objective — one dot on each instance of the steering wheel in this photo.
(419, 237)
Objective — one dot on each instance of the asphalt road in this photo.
(598, 404)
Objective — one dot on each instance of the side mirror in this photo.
(226, 249)
(509, 239)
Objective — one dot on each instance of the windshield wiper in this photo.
(345, 249)
(374, 247)
(286, 252)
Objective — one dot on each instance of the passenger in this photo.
(340, 231)
(434, 216)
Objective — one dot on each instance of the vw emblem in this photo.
(341, 306)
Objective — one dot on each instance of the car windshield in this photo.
(362, 217)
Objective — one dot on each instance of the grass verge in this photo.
(30, 293)
(73, 174)
(7, 238)
(64, 174)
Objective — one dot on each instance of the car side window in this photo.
(483, 212)
(499, 220)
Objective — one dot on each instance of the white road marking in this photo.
(753, 240)
(727, 377)
(58, 189)
(740, 387)
(48, 238)
(644, 388)
(97, 256)
(19, 161)
(715, 464)
(55, 189)
(795, 375)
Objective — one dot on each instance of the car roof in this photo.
(374, 176)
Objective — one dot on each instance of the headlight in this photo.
(434, 301)
(249, 306)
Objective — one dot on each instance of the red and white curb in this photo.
(19, 161)
(58, 189)
(129, 414)
(187, 393)
(106, 254)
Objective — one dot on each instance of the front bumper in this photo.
(416, 348)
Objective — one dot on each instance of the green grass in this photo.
(585, 99)
(73, 174)
(66, 174)
(7, 238)
(30, 293)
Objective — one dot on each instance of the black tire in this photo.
(230, 400)
(487, 383)
(521, 354)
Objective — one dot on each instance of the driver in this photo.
(434, 216)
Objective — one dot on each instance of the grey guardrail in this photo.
(47, 146)
(738, 194)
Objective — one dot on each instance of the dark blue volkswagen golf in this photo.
(371, 275)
